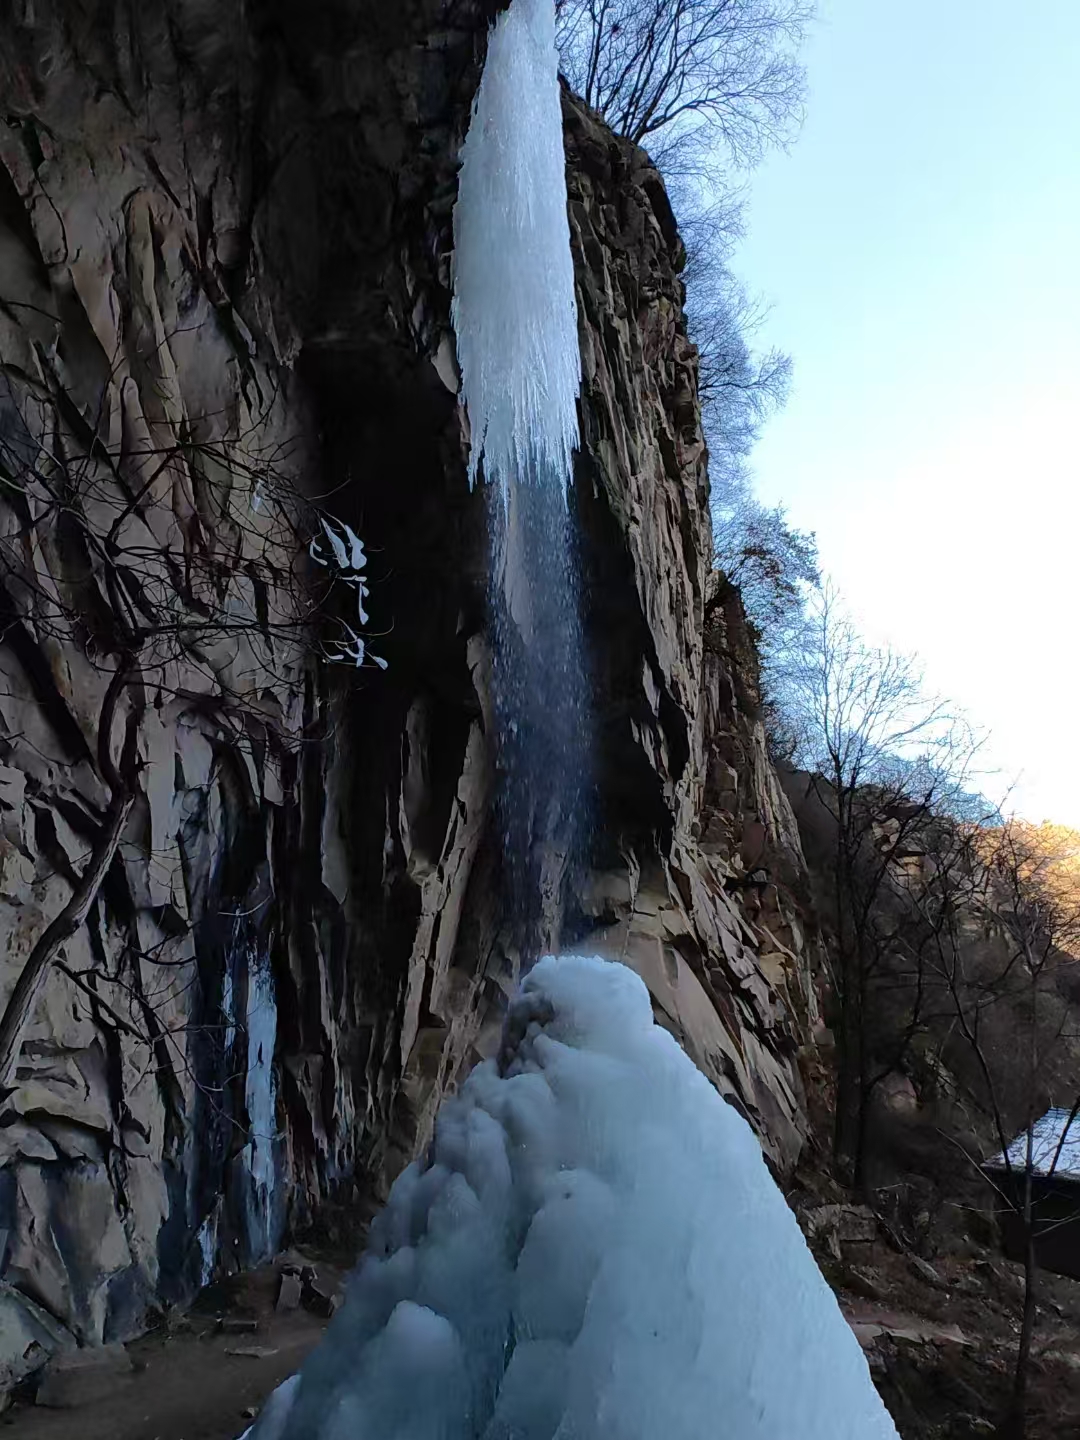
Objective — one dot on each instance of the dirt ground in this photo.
(197, 1381)
(941, 1337)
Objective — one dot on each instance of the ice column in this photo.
(514, 309)
(515, 315)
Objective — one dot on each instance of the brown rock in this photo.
(28, 1337)
(866, 1283)
(926, 1271)
(290, 1291)
(319, 1299)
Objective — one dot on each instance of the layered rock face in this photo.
(691, 807)
(224, 312)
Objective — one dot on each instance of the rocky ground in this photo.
(940, 1334)
(199, 1377)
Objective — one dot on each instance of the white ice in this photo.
(514, 309)
(260, 1093)
(207, 1242)
(593, 1248)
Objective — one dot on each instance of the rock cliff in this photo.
(224, 312)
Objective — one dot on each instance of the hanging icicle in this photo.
(514, 311)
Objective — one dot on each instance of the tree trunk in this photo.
(862, 1093)
(862, 1126)
(850, 1119)
(1027, 1332)
(1015, 1426)
(848, 1063)
(72, 917)
(840, 1125)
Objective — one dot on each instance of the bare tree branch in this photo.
(122, 781)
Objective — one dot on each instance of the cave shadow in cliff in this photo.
(630, 810)
(392, 468)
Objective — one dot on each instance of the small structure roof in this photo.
(1055, 1147)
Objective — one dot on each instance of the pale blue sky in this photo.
(920, 248)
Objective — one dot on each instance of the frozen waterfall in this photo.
(594, 1248)
(514, 310)
(515, 317)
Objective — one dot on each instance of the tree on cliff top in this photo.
(689, 76)
(738, 388)
(756, 546)
(769, 560)
(707, 85)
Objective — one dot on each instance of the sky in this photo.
(920, 251)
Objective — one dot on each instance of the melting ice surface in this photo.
(593, 1248)
(514, 311)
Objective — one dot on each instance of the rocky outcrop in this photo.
(224, 310)
(691, 809)
(215, 240)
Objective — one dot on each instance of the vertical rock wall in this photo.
(148, 427)
(224, 308)
(689, 805)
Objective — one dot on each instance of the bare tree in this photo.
(756, 546)
(769, 560)
(122, 782)
(701, 73)
(881, 758)
(1018, 886)
(739, 388)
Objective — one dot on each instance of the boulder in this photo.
(29, 1337)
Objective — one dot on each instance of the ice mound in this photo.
(593, 1248)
